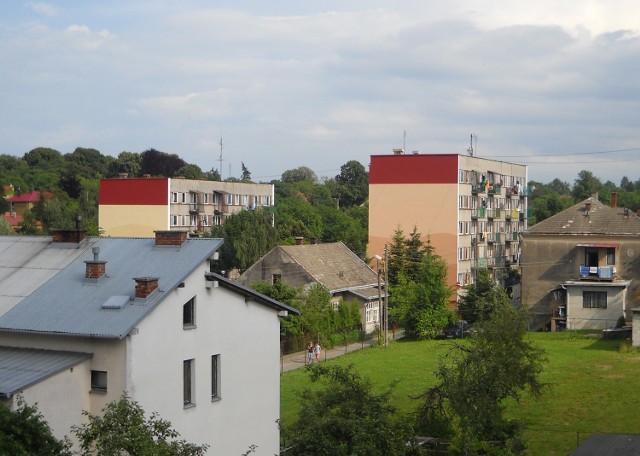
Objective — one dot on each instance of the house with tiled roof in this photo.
(579, 266)
(24, 202)
(332, 265)
(84, 319)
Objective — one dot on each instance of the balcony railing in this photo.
(493, 238)
(480, 212)
(597, 272)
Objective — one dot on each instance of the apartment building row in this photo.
(139, 206)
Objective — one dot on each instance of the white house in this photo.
(84, 319)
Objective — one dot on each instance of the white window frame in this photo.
(215, 378)
(189, 314)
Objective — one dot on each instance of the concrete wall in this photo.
(549, 260)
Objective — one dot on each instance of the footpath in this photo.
(299, 359)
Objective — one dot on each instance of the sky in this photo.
(550, 84)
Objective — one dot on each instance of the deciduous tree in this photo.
(123, 428)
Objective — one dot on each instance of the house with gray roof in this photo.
(579, 266)
(84, 319)
(332, 265)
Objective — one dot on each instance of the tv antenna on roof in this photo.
(220, 159)
(470, 149)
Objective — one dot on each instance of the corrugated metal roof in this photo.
(70, 304)
(22, 367)
(27, 262)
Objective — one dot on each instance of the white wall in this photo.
(245, 334)
(61, 398)
(579, 317)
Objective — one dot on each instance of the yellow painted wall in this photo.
(133, 221)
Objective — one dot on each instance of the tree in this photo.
(299, 174)
(585, 185)
(475, 380)
(190, 172)
(158, 163)
(481, 298)
(246, 174)
(5, 228)
(346, 418)
(248, 235)
(25, 432)
(126, 163)
(353, 184)
(428, 306)
(213, 175)
(124, 429)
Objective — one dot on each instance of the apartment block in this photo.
(140, 206)
(471, 209)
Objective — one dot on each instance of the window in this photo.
(184, 197)
(174, 220)
(193, 220)
(275, 278)
(611, 257)
(99, 381)
(189, 314)
(188, 374)
(217, 220)
(371, 312)
(174, 197)
(215, 377)
(205, 198)
(594, 299)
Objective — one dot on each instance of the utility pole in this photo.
(386, 295)
(380, 321)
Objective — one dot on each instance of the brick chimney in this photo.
(614, 199)
(299, 240)
(171, 237)
(145, 286)
(95, 268)
(75, 236)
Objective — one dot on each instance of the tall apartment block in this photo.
(137, 207)
(471, 209)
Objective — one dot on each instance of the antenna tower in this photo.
(470, 149)
(220, 160)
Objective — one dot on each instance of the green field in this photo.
(593, 386)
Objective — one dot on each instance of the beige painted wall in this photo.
(133, 221)
(579, 317)
(432, 208)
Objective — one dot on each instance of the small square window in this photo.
(99, 381)
(189, 313)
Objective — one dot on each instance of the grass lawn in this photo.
(594, 386)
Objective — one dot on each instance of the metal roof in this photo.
(27, 262)
(70, 304)
(22, 367)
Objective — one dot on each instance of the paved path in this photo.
(299, 359)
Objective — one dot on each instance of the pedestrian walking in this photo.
(310, 352)
(317, 350)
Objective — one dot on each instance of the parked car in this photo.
(457, 330)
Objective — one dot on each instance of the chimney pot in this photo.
(299, 240)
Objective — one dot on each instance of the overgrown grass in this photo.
(593, 386)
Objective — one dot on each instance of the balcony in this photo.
(511, 237)
(493, 238)
(197, 208)
(478, 213)
(494, 190)
(597, 272)
(477, 188)
(494, 213)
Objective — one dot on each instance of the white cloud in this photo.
(46, 9)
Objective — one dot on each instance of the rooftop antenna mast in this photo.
(220, 159)
(404, 140)
(470, 149)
